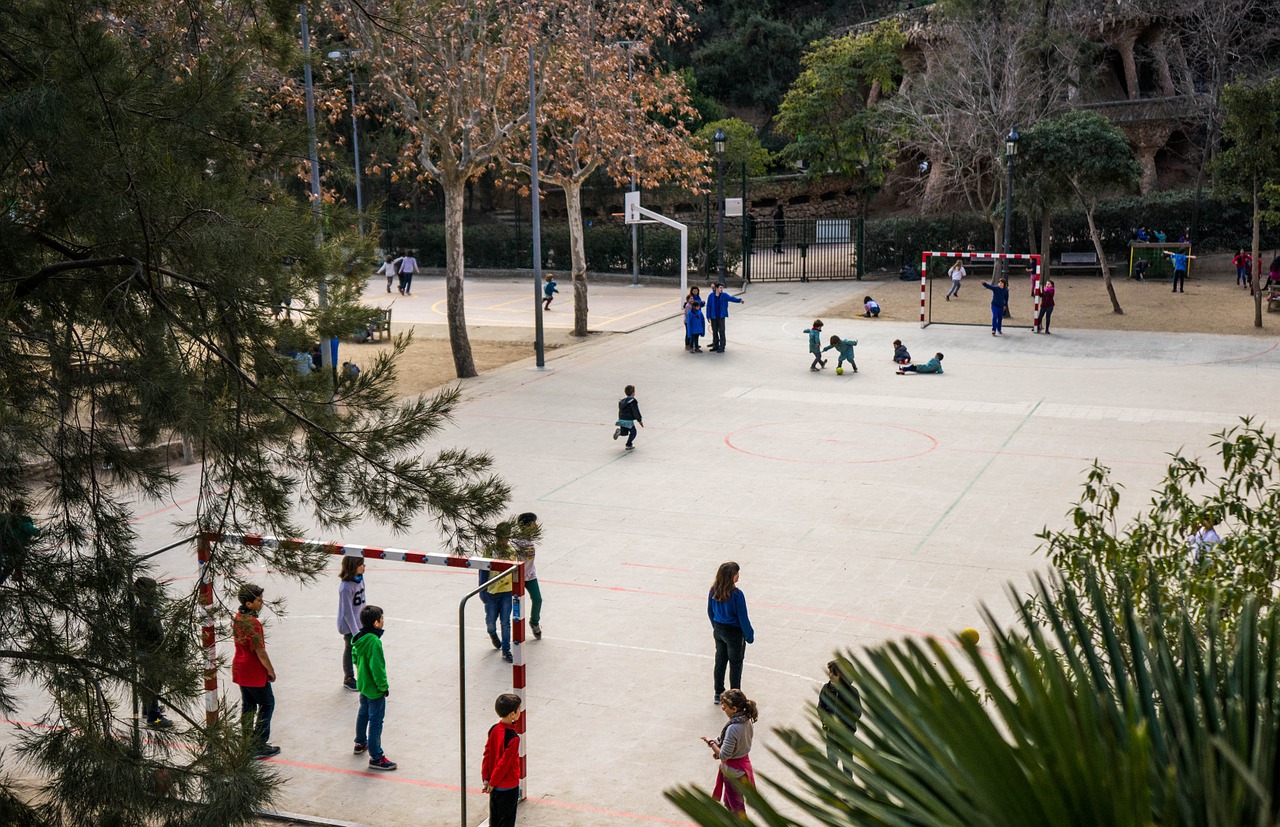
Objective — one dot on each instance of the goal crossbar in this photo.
(205, 542)
(1032, 258)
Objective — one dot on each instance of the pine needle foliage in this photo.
(154, 222)
(1078, 718)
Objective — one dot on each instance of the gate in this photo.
(817, 249)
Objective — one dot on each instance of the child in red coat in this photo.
(501, 768)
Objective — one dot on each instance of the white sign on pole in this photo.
(733, 208)
(632, 207)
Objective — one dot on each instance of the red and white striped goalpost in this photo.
(924, 275)
(204, 551)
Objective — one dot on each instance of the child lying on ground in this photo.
(934, 365)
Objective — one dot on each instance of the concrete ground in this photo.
(862, 508)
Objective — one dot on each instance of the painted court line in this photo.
(1046, 410)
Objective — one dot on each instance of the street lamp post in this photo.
(720, 141)
(631, 119)
(326, 358)
(1010, 156)
(355, 138)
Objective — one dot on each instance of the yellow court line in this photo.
(513, 301)
(642, 310)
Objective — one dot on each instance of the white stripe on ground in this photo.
(1046, 410)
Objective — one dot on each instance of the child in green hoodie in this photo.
(371, 680)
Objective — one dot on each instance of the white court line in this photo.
(1021, 409)
(583, 643)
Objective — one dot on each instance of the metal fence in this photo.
(804, 249)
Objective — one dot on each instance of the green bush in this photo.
(1224, 225)
(607, 246)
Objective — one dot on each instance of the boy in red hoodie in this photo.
(501, 768)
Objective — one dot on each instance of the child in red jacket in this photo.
(501, 768)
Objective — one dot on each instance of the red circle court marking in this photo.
(728, 440)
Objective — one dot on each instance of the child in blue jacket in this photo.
(844, 347)
(815, 345)
(548, 290)
(695, 324)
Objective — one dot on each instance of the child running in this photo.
(500, 771)
(900, 354)
(527, 531)
(628, 417)
(934, 365)
(815, 345)
(844, 347)
(548, 290)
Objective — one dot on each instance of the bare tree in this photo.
(455, 74)
(611, 106)
(988, 68)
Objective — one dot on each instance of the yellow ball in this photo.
(970, 636)
(839, 370)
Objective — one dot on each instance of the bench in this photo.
(382, 326)
(1082, 262)
(1273, 302)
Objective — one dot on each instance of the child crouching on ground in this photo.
(815, 345)
(900, 354)
(844, 347)
(934, 365)
(870, 307)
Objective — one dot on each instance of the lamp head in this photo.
(720, 140)
(1011, 142)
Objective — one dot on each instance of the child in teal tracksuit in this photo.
(815, 345)
(548, 290)
(844, 347)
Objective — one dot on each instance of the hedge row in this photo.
(1224, 225)
(608, 247)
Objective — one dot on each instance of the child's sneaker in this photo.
(382, 763)
(266, 751)
(350, 683)
(507, 657)
(617, 432)
(159, 722)
(537, 631)
(359, 749)
(854, 365)
(493, 638)
(812, 368)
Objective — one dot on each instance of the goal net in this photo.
(972, 305)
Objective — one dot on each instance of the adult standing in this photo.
(779, 228)
(732, 749)
(407, 267)
(1179, 270)
(730, 626)
(717, 312)
(999, 301)
(1046, 307)
(252, 671)
(956, 272)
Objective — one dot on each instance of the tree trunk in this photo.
(577, 255)
(1046, 234)
(1102, 259)
(455, 312)
(1256, 276)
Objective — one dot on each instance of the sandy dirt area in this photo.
(428, 362)
(1212, 302)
